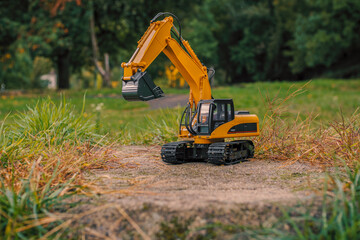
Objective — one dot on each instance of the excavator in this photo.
(206, 122)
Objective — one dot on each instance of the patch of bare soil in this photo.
(151, 192)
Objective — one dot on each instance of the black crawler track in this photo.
(226, 153)
(176, 152)
(221, 153)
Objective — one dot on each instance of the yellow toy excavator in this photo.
(206, 121)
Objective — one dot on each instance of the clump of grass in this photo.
(155, 131)
(24, 214)
(49, 133)
(53, 124)
(44, 155)
(338, 217)
(306, 140)
(9, 147)
(165, 130)
(56, 174)
(74, 160)
(174, 229)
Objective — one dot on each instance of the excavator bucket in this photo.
(141, 88)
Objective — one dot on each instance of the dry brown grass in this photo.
(44, 180)
(68, 161)
(307, 140)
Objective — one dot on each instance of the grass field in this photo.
(324, 99)
(49, 139)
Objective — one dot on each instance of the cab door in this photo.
(203, 124)
(221, 112)
(212, 114)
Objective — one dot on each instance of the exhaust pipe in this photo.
(141, 87)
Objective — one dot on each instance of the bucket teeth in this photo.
(141, 88)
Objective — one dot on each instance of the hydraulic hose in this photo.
(191, 121)
(178, 21)
(191, 118)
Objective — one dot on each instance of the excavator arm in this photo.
(137, 84)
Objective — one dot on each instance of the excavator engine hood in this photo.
(140, 87)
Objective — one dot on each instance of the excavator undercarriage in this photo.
(220, 153)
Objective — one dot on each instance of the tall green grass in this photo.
(42, 153)
(9, 148)
(25, 214)
(339, 216)
(323, 98)
(53, 124)
(164, 128)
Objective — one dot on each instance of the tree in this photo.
(62, 34)
(326, 38)
(15, 59)
(247, 40)
(243, 34)
(199, 31)
(119, 24)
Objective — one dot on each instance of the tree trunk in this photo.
(105, 73)
(63, 67)
(106, 77)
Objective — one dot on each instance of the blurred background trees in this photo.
(248, 40)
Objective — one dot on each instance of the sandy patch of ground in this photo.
(152, 192)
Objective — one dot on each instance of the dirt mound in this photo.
(152, 192)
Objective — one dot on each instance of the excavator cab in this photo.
(209, 115)
(213, 113)
(141, 87)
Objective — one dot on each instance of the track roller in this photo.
(176, 152)
(226, 153)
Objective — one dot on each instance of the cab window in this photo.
(219, 112)
(204, 113)
(230, 112)
(203, 121)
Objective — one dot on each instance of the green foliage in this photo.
(277, 40)
(157, 129)
(31, 189)
(175, 229)
(326, 35)
(52, 124)
(9, 148)
(337, 218)
(244, 40)
(22, 212)
(249, 53)
(199, 32)
(63, 37)
(51, 35)
(16, 68)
